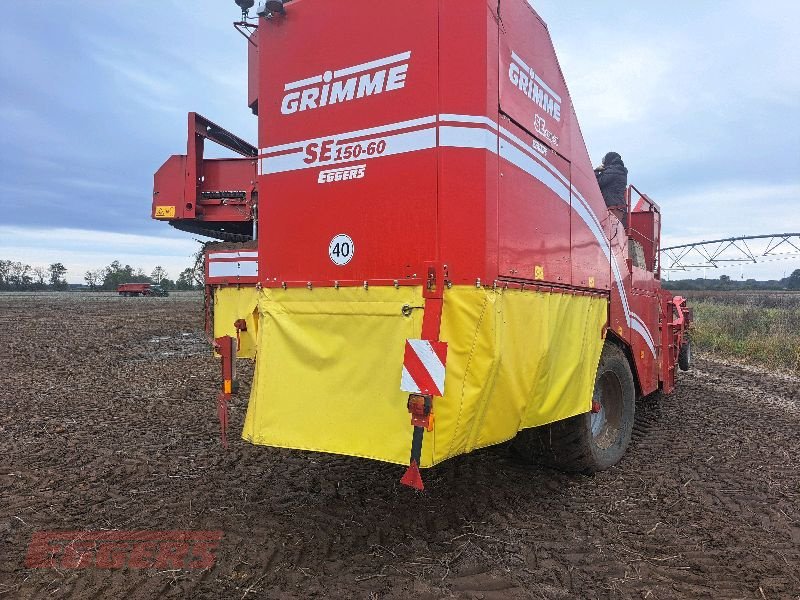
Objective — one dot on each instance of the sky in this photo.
(702, 99)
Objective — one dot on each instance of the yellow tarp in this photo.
(328, 368)
(232, 304)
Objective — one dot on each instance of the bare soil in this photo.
(108, 421)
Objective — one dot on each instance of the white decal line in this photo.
(534, 168)
(352, 134)
(316, 79)
(467, 137)
(515, 57)
(648, 336)
(546, 87)
(642, 330)
(231, 255)
(430, 360)
(401, 143)
(478, 119)
(369, 66)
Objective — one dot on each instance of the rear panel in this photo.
(348, 136)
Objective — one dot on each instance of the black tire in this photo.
(589, 442)
(685, 356)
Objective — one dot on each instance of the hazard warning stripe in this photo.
(424, 367)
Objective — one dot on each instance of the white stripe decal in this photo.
(515, 57)
(640, 328)
(534, 168)
(369, 66)
(232, 254)
(421, 139)
(303, 83)
(430, 360)
(233, 269)
(546, 87)
(468, 137)
(468, 119)
(353, 134)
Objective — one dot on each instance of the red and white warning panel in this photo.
(424, 367)
(232, 266)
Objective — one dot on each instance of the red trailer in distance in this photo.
(141, 289)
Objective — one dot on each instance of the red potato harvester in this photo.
(420, 231)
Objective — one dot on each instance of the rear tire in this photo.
(685, 356)
(589, 442)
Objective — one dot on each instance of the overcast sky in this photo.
(702, 99)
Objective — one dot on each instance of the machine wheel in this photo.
(593, 441)
(685, 356)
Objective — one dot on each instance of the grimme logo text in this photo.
(352, 83)
(534, 87)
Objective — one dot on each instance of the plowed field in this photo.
(108, 421)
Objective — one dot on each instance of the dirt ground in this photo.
(108, 421)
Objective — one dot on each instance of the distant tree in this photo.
(140, 276)
(185, 280)
(199, 268)
(793, 281)
(158, 275)
(57, 276)
(725, 278)
(93, 278)
(40, 276)
(5, 270)
(19, 276)
(167, 284)
(115, 274)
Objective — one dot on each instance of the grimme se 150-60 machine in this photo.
(435, 268)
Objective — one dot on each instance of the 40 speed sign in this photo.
(341, 249)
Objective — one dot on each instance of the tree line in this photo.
(19, 276)
(725, 283)
(111, 277)
(15, 275)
